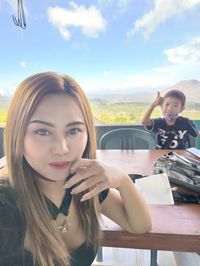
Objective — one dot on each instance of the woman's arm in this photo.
(127, 208)
(124, 204)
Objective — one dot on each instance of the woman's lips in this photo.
(59, 165)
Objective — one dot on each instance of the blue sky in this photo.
(103, 44)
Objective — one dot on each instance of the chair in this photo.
(127, 139)
(197, 141)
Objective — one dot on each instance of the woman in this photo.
(53, 189)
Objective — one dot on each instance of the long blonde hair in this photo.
(48, 245)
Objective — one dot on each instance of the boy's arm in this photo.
(146, 121)
(193, 129)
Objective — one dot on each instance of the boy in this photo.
(172, 130)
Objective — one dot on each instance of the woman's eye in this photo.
(74, 131)
(42, 132)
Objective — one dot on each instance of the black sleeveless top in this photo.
(12, 233)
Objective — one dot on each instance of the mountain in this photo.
(191, 89)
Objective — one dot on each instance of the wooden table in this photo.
(2, 162)
(174, 227)
(135, 161)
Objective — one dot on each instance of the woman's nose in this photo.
(60, 146)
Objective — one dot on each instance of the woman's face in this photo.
(55, 137)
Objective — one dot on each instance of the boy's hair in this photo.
(176, 94)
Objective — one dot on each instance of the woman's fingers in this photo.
(81, 163)
(94, 192)
(89, 183)
(92, 176)
(85, 173)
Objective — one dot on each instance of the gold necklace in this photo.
(62, 217)
(65, 224)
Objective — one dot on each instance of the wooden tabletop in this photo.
(135, 161)
(174, 227)
(2, 162)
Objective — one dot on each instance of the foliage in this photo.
(132, 113)
(3, 115)
(123, 113)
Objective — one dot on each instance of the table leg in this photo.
(99, 254)
(153, 258)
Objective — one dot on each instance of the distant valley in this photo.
(191, 89)
(126, 107)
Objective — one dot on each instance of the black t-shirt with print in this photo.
(175, 136)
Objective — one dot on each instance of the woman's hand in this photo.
(93, 177)
(125, 205)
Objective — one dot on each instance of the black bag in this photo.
(182, 171)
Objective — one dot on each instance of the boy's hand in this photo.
(158, 101)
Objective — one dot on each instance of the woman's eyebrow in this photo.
(73, 123)
(42, 122)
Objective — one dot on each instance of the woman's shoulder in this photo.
(9, 210)
(7, 194)
(11, 221)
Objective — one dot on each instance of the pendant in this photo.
(65, 226)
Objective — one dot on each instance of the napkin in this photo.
(155, 189)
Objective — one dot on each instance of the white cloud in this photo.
(184, 62)
(188, 53)
(12, 4)
(115, 83)
(146, 81)
(105, 2)
(162, 69)
(89, 20)
(123, 5)
(184, 72)
(108, 73)
(119, 5)
(156, 78)
(163, 10)
(7, 88)
(2, 91)
(23, 64)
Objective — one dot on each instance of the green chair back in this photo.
(197, 141)
(127, 139)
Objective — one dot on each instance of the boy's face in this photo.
(172, 106)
